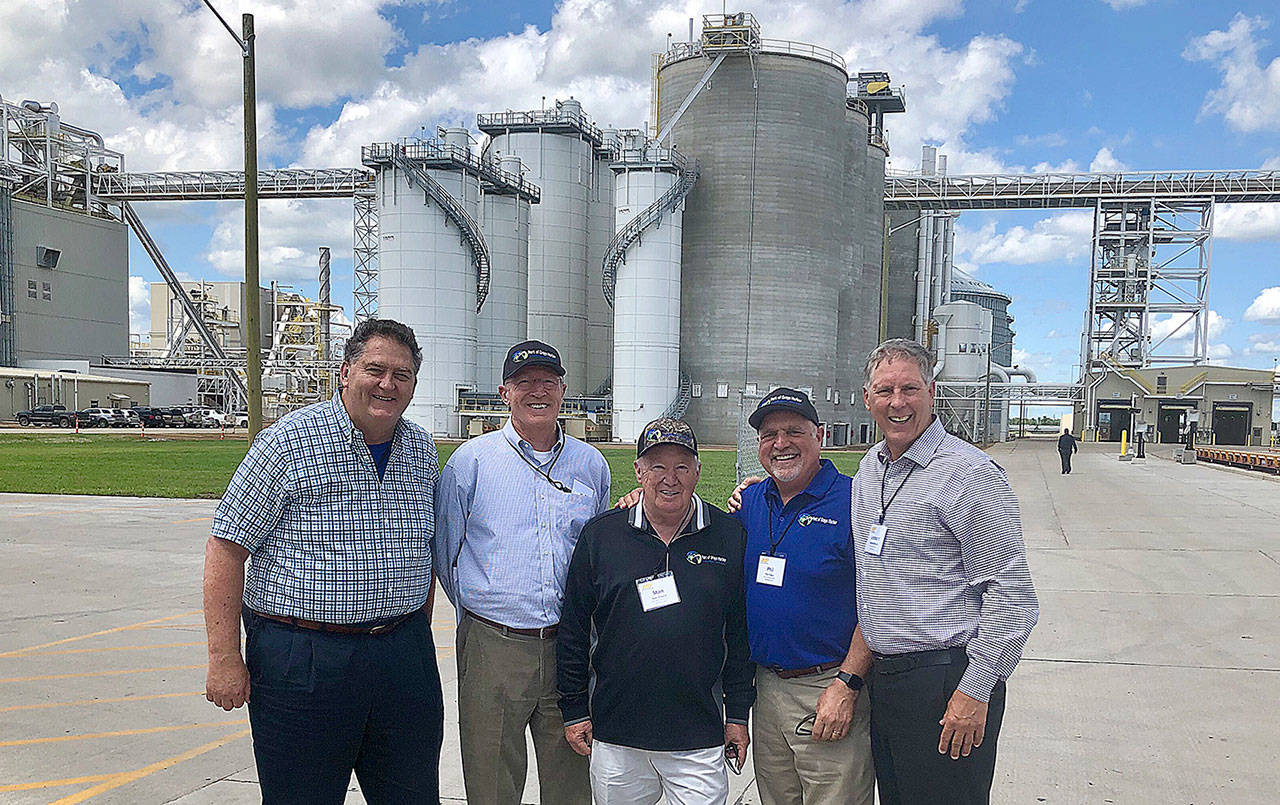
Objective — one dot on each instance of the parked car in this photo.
(242, 419)
(209, 418)
(130, 417)
(46, 415)
(100, 418)
(173, 417)
(150, 417)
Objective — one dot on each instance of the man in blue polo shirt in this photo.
(802, 616)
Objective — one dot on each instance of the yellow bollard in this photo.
(1124, 442)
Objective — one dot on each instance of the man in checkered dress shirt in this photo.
(333, 508)
(945, 596)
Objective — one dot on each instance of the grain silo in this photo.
(433, 263)
(600, 229)
(764, 258)
(504, 317)
(557, 148)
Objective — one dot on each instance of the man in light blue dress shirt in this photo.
(509, 506)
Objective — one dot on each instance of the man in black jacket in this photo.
(661, 583)
(1066, 446)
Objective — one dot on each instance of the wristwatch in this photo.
(852, 680)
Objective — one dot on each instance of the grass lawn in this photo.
(68, 464)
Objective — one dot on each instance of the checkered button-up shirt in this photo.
(953, 567)
(328, 539)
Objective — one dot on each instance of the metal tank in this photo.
(556, 146)
(427, 275)
(764, 228)
(646, 307)
(965, 288)
(964, 338)
(600, 229)
(504, 318)
(851, 338)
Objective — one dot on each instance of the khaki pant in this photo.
(796, 770)
(505, 684)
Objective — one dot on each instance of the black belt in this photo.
(793, 673)
(340, 628)
(542, 634)
(899, 663)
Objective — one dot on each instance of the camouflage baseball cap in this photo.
(666, 430)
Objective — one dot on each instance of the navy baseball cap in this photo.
(666, 430)
(784, 399)
(531, 353)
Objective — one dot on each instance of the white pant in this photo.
(621, 775)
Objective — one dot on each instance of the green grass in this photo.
(200, 468)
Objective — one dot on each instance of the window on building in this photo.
(46, 291)
(722, 389)
(752, 389)
(695, 390)
(33, 290)
(837, 396)
(1162, 384)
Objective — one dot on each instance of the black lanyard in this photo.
(773, 546)
(884, 507)
(544, 475)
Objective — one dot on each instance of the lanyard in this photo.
(773, 545)
(884, 507)
(666, 555)
(544, 475)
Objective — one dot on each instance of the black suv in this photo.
(46, 415)
(150, 417)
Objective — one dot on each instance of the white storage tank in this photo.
(964, 334)
(503, 319)
(646, 351)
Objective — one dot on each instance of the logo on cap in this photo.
(526, 354)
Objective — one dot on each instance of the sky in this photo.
(1006, 86)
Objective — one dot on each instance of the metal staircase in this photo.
(455, 212)
(667, 202)
(680, 405)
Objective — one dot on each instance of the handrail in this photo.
(680, 405)
(455, 212)
(630, 233)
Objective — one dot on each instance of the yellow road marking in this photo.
(193, 520)
(93, 778)
(111, 648)
(83, 702)
(100, 673)
(168, 626)
(118, 733)
(138, 774)
(18, 651)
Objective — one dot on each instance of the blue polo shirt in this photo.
(810, 619)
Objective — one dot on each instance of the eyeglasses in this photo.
(805, 727)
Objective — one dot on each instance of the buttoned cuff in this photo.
(977, 682)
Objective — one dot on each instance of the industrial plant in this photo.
(746, 237)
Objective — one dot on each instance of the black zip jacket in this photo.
(656, 672)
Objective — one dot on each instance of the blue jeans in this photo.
(322, 705)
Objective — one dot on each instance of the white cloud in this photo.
(1060, 237)
(1172, 331)
(1272, 164)
(1250, 222)
(1121, 5)
(1249, 96)
(139, 305)
(1067, 166)
(1266, 343)
(291, 232)
(1266, 307)
(1105, 162)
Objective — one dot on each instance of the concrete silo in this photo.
(642, 275)
(600, 229)
(557, 148)
(766, 249)
(433, 263)
(504, 317)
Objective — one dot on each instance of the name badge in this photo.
(875, 540)
(658, 591)
(771, 569)
(580, 488)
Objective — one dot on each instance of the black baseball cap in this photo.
(784, 399)
(666, 430)
(531, 353)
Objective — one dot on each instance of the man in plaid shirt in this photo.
(333, 509)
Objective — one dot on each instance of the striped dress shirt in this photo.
(505, 534)
(328, 539)
(953, 568)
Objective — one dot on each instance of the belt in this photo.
(542, 634)
(899, 663)
(340, 628)
(810, 671)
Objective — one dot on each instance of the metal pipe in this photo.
(324, 301)
(922, 275)
(935, 273)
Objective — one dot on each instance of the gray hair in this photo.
(384, 328)
(903, 348)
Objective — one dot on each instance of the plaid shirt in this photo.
(953, 569)
(328, 540)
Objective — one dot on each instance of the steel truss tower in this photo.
(364, 254)
(1149, 283)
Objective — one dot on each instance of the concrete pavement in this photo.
(1152, 676)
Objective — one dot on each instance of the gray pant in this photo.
(796, 770)
(505, 684)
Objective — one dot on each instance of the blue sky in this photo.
(1005, 85)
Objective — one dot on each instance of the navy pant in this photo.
(322, 705)
(1066, 461)
(905, 709)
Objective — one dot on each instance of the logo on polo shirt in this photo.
(695, 558)
(806, 519)
(526, 354)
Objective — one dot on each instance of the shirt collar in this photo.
(701, 517)
(354, 436)
(818, 486)
(518, 442)
(923, 449)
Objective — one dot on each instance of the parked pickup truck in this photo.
(46, 415)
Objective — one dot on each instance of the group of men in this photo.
(631, 643)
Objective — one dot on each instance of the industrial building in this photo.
(25, 389)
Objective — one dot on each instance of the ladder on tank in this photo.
(455, 212)
(667, 202)
(680, 405)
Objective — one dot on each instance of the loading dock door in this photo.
(1231, 422)
(1114, 418)
(1170, 421)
